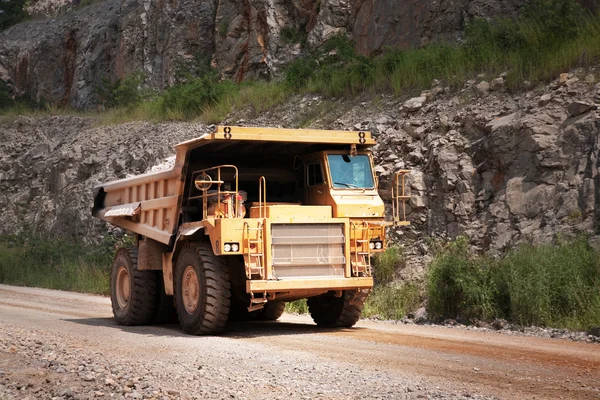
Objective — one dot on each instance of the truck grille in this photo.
(307, 250)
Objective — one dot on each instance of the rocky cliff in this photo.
(68, 58)
(500, 168)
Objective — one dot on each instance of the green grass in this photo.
(552, 285)
(393, 302)
(297, 307)
(49, 262)
(386, 263)
(549, 37)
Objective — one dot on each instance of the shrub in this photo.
(6, 100)
(298, 307)
(552, 285)
(189, 99)
(128, 92)
(385, 264)
(11, 12)
(392, 302)
(460, 285)
(37, 260)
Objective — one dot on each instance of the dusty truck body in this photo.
(246, 220)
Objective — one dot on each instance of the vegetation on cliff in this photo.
(11, 12)
(549, 37)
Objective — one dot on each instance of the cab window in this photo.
(315, 174)
(350, 172)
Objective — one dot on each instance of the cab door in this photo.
(317, 190)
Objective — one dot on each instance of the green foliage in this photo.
(386, 263)
(297, 307)
(223, 28)
(553, 285)
(291, 35)
(6, 100)
(392, 302)
(189, 99)
(31, 259)
(128, 91)
(459, 284)
(335, 70)
(11, 12)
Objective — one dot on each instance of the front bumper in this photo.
(308, 284)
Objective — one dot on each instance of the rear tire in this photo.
(133, 292)
(272, 311)
(202, 290)
(329, 311)
(165, 306)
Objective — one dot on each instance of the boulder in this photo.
(483, 87)
(545, 99)
(579, 107)
(414, 104)
(497, 84)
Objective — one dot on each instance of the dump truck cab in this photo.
(250, 218)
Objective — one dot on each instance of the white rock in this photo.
(414, 104)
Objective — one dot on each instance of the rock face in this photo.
(49, 165)
(69, 59)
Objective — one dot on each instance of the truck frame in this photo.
(246, 220)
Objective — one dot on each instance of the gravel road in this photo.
(61, 345)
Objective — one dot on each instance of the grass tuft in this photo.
(296, 307)
(385, 264)
(392, 302)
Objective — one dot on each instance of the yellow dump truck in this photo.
(246, 220)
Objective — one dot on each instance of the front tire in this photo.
(202, 290)
(133, 292)
(329, 311)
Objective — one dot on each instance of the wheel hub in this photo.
(123, 286)
(191, 289)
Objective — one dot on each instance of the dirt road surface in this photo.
(66, 345)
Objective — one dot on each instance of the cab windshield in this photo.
(350, 172)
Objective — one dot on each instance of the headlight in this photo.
(231, 247)
(371, 245)
(378, 245)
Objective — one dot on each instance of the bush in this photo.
(128, 91)
(11, 12)
(6, 100)
(297, 307)
(392, 302)
(460, 285)
(42, 261)
(552, 285)
(386, 263)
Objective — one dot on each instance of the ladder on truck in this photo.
(254, 246)
(255, 249)
(361, 263)
(399, 198)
